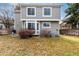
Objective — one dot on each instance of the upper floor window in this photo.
(47, 11)
(31, 11)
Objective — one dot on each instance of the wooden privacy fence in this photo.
(4, 31)
(70, 32)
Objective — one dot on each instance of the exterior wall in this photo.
(2, 25)
(55, 13)
(54, 28)
(17, 22)
(77, 26)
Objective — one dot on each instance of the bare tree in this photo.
(6, 19)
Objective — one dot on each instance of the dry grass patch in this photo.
(37, 46)
(72, 38)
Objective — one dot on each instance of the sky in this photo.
(9, 6)
(63, 7)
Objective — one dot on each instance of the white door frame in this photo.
(38, 31)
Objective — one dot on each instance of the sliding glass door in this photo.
(32, 26)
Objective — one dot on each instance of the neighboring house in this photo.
(68, 30)
(3, 29)
(77, 25)
(38, 16)
(63, 25)
(1, 24)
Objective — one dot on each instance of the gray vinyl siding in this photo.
(55, 13)
(54, 28)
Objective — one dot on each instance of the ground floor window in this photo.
(46, 24)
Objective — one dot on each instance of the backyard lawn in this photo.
(63, 45)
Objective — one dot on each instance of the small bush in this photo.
(26, 33)
(45, 33)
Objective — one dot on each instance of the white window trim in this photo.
(30, 15)
(46, 27)
(47, 15)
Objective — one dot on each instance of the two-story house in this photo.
(38, 16)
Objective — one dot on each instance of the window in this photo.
(31, 11)
(46, 24)
(47, 11)
(31, 26)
